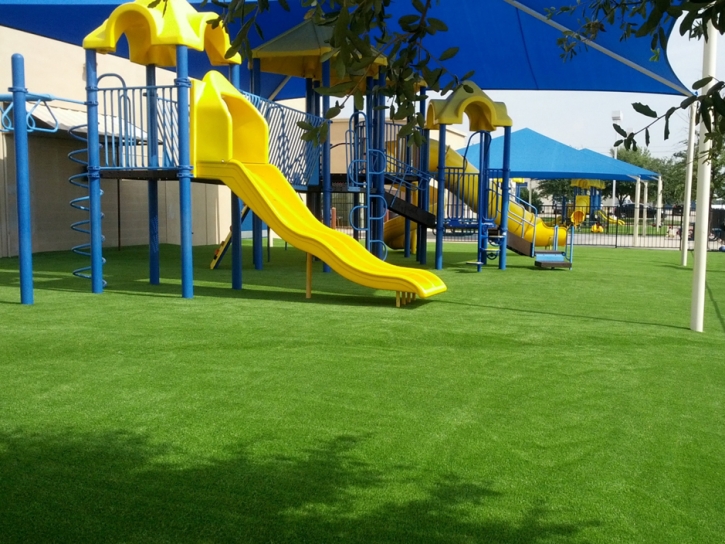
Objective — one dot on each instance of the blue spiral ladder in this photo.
(82, 203)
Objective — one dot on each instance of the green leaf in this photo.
(408, 20)
(700, 83)
(620, 131)
(437, 24)
(334, 111)
(644, 109)
(646, 137)
(687, 102)
(449, 53)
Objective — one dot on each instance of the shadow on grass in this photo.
(281, 280)
(716, 306)
(587, 317)
(114, 487)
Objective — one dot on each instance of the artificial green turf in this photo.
(520, 406)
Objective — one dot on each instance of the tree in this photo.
(647, 18)
(717, 177)
(556, 189)
(361, 33)
(532, 197)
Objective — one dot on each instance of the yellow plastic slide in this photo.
(394, 233)
(610, 218)
(523, 229)
(230, 142)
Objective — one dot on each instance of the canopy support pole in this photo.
(689, 167)
(637, 189)
(702, 213)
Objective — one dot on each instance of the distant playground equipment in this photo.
(597, 228)
(609, 219)
(577, 217)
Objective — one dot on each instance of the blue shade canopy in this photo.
(536, 156)
(506, 42)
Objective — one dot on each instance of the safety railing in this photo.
(297, 157)
(138, 127)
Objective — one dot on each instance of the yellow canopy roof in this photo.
(588, 183)
(483, 113)
(154, 33)
(299, 51)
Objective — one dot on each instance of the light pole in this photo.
(617, 118)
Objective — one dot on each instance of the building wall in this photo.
(58, 68)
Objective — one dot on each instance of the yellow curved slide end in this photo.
(230, 143)
(544, 233)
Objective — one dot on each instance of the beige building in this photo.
(59, 69)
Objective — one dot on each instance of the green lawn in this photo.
(525, 406)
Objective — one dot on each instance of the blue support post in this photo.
(408, 199)
(235, 78)
(94, 173)
(380, 185)
(326, 178)
(183, 84)
(257, 249)
(370, 136)
(485, 192)
(423, 200)
(441, 195)
(505, 196)
(153, 185)
(22, 180)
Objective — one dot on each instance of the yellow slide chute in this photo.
(230, 142)
(520, 223)
(611, 219)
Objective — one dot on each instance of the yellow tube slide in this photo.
(394, 233)
(523, 229)
(230, 143)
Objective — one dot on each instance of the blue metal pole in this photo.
(94, 173)
(326, 179)
(22, 180)
(482, 232)
(505, 196)
(183, 84)
(441, 195)
(380, 185)
(370, 205)
(423, 196)
(257, 249)
(153, 185)
(235, 78)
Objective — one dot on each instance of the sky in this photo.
(584, 119)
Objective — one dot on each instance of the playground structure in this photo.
(253, 145)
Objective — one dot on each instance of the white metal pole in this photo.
(635, 239)
(658, 207)
(614, 183)
(689, 167)
(702, 215)
(646, 206)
